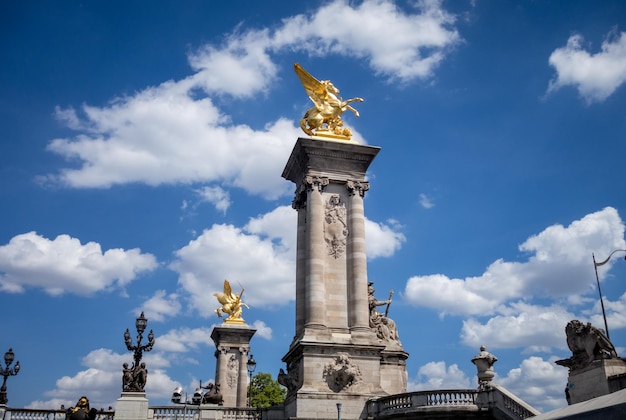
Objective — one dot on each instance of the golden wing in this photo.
(221, 298)
(312, 86)
(227, 290)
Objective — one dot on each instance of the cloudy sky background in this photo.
(140, 165)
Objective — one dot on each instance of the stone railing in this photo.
(36, 414)
(410, 402)
(501, 399)
(193, 412)
(497, 399)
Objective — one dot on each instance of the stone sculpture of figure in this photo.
(81, 411)
(141, 376)
(231, 304)
(134, 378)
(324, 119)
(587, 344)
(127, 377)
(384, 326)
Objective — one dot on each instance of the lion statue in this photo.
(587, 344)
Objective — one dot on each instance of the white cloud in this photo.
(595, 76)
(164, 135)
(64, 265)
(216, 196)
(161, 305)
(436, 375)
(426, 201)
(206, 262)
(382, 240)
(262, 330)
(532, 327)
(241, 67)
(397, 44)
(559, 266)
(185, 339)
(539, 382)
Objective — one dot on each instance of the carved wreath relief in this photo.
(335, 228)
(342, 374)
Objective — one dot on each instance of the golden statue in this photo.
(324, 119)
(231, 304)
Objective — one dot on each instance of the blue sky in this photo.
(140, 162)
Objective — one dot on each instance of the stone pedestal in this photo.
(132, 406)
(232, 346)
(335, 356)
(592, 380)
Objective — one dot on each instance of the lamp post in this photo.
(9, 356)
(595, 266)
(251, 367)
(134, 379)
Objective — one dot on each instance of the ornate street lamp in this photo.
(251, 367)
(9, 356)
(134, 378)
(595, 266)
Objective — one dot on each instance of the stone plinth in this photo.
(593, 380)
(232, 346)
(131, 406)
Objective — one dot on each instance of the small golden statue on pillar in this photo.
(324, 119)
(231, 305)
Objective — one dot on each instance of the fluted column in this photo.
(299, 203)
(242, 382)
(221, 354)
(357, 281)
(314, 282)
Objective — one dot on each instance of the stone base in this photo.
(592, 380)
(308, 405)
(132, 406)
(320, 375)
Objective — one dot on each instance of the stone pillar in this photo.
(232, 345)
(314, 278)
(333, 335)
(357, 261)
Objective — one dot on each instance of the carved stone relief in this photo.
(335, 228)
(342, 374)
(232, 374)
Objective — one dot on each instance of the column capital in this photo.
(315, 182)
(357, 187)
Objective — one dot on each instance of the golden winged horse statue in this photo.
(231, 305)
(324, 119)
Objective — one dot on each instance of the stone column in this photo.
(357, 260)
(242, 389)
(299, 203)
(315, 290)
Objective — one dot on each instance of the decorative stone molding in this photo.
(342, 374)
